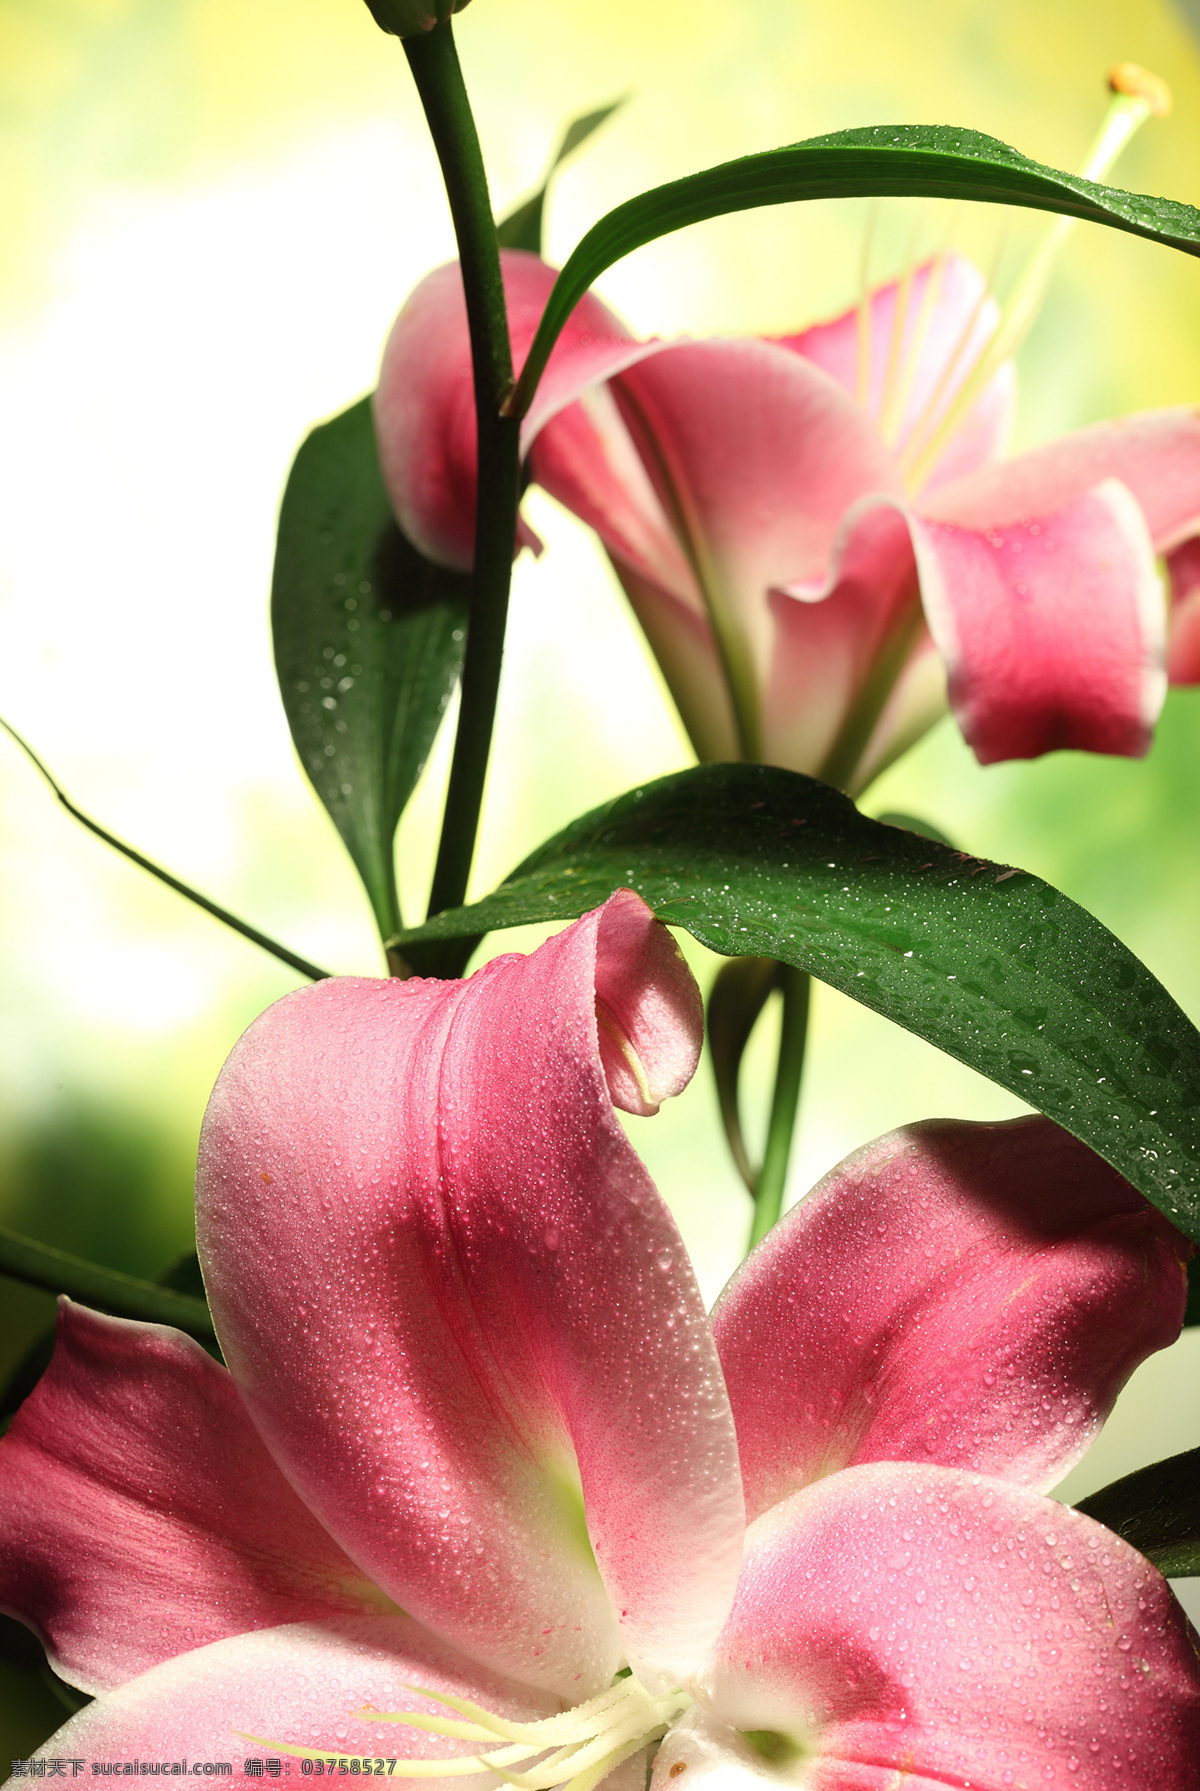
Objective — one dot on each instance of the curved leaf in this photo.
(991, 964)
(1157, 1509)
(934, 161)
(368, 644)
(282, 952)
(127, 1296)
(740, 992)
(522, 228)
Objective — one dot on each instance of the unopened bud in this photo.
(1139, 83)
(405, 18)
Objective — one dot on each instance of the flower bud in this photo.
(404, 18)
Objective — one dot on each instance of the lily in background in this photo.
(483, 1486)
(818, 532)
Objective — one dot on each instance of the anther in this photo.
(1139, 83)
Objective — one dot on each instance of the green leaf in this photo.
(991, 964)
(522, 228)
(28, 1371)
(282, 952)
(39, 1265)
(938, 161)
(368, 644)
(185, 1276)
(1157, 1510)
(739, 994)
(21, 1651)
(914, 824)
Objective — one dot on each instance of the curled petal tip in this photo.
(1138, 83)
(649, 1011)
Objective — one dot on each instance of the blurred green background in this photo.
(211, 210)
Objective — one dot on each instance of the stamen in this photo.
(887, 400)
(930, 419)
(865, 344)
(577, 1748)
(899, 390)
(1137, 96)
(612, 1030)
(586, 1742)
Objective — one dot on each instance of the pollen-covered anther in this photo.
(575, 1749)
(1138, 83)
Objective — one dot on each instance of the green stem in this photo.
(38, 1265)
(793, 1035)
(276, 950)
(435, 68)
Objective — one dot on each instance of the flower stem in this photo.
(768, 1194)
(433, 60)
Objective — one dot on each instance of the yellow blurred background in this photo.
(211, 210)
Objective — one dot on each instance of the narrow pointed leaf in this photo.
(368, 644)
(996, 967)
(126, 1296)
(522, 228)
(1157, 1510)
(739, 994)
(936, 161)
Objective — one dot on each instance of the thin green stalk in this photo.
(793, 1035)
(38, 1265)
(435, 67)
(276, 950)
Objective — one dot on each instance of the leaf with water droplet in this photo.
(1157, 1509)
(350, 591)
(914, 160)
(1007, 975)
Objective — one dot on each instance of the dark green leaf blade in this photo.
(1157, 1510)
(994, 966)
(738, 996)
(915, 824)
(368, 644)
(931, 161)
(40, 1265)
(522, 228)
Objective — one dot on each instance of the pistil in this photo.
(1136, 96)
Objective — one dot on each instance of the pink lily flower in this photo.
(816, 531)
(478, 1435)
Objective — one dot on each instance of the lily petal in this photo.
(1183, 653)
(142, 1515)
(752, 456)
(920, 1625)
(300, 1684)
(425, 407)
(1155, 454)
(1005, 1284)
(461, 1315)
(1052, 625)
(681, 640)
(840, 643)
(907, 353)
